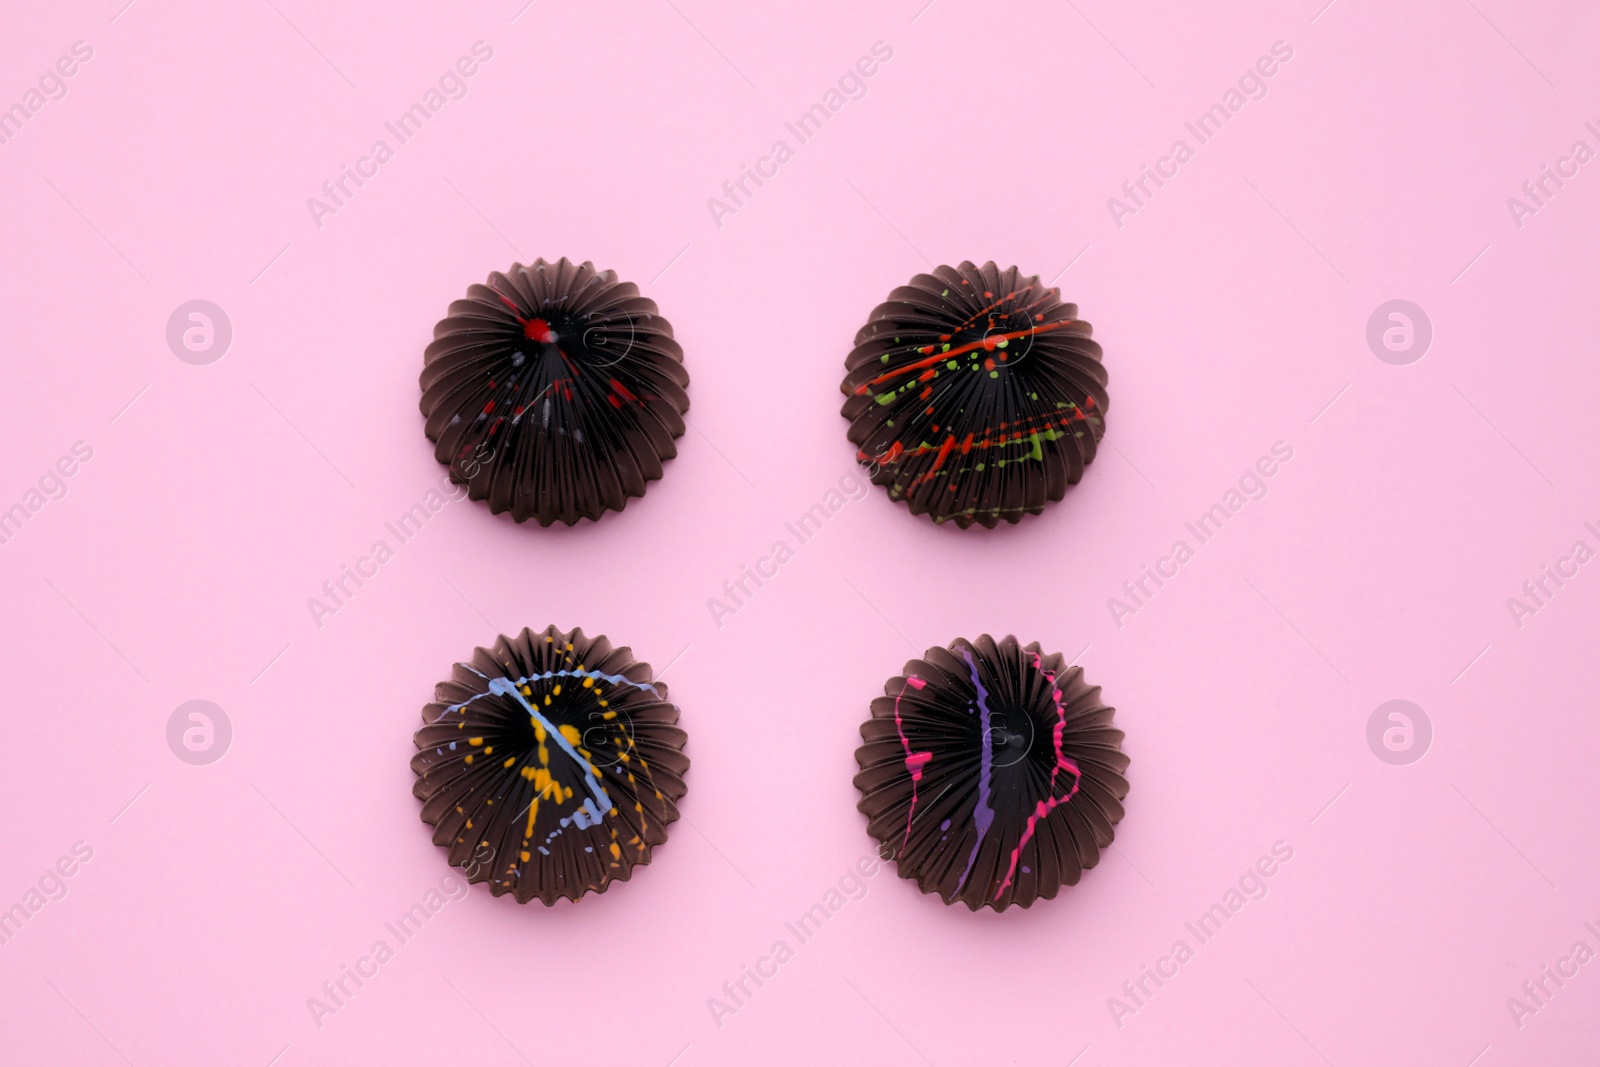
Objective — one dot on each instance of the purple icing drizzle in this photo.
(982, 813)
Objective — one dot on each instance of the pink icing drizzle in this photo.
(915, 761)
(1063, 762)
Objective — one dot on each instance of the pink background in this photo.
(1233, 309)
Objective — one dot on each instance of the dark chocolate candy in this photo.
(991, 774)
(975, 395)
(550, 765)
(554, 392)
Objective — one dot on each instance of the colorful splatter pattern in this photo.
(550, 765)
(992, 773)
(554, 392)
(975, 395)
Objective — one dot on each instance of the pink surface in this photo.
(1233, 304)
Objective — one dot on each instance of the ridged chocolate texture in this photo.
(975, 395)
(554, 392)
(991, 774)
(550, 765)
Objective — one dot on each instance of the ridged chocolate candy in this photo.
(550, 765)
(554, 392)
(991, 773)
(975, 395)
